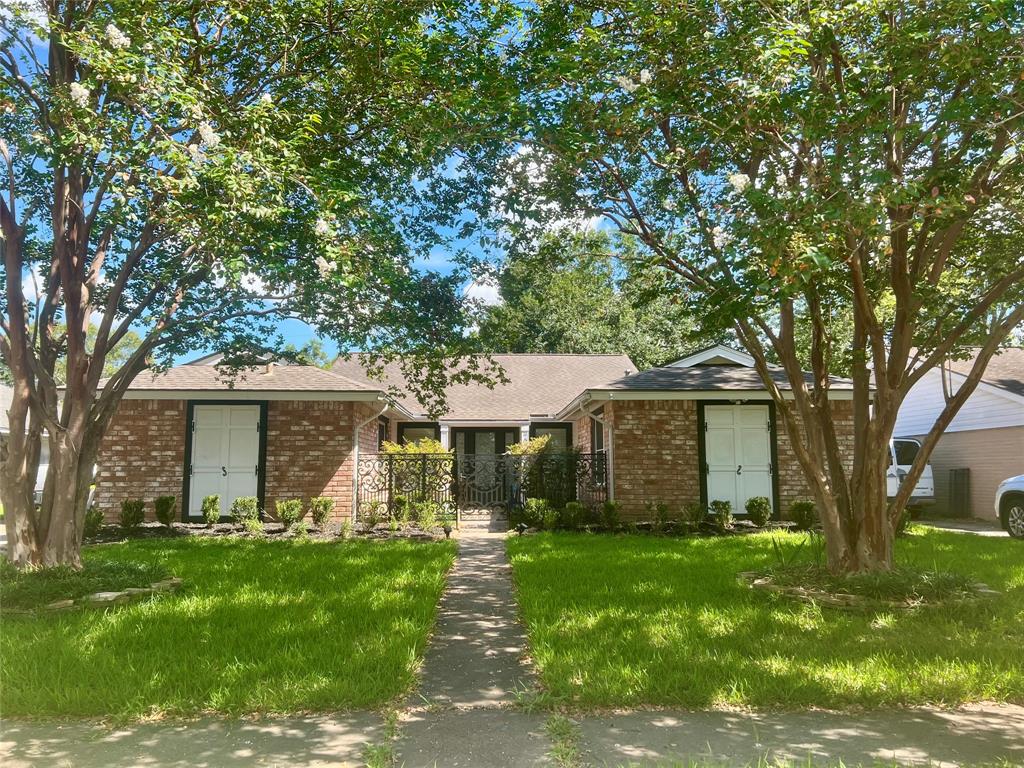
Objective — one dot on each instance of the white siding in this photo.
(985, 409)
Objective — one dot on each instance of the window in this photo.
(561, 435)
(410, 432)
(382, 431)
(906, 451)
(596, 434)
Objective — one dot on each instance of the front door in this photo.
(738, 453)
(225, 454)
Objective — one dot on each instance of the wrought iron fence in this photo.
(477, 482)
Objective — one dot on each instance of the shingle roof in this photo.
(707, 378)
(299, 378)
(1005, 370)
(539, 384)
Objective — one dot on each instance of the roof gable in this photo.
(716, 355)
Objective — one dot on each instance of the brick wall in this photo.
(655, 453)
(657, 459)
(142, 455)
(309, 452)
(792, 481)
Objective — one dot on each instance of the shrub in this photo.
(549, 520)
(804, 513)
(610, 514)
(300, 529)
(426, 514)
(252, 524)
(211, 509)
(759, 509)
(573, 515)
(694, 513)
(423, 445)
(245, 508)
(320, 509)
(133, 512)
(289, 512)
(661, 516)
(345, 529)
(372, 512)
(531, 447)
(721, 510)
(93, 522)
(534, 511)
(165, 506)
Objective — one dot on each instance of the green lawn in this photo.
(631, 620)
(259, 627)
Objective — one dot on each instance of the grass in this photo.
(617, 621)
(901, 584)
(280, 627)
(33, 589)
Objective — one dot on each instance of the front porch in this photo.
(484, 487)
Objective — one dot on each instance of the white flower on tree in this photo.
(196, 153)
(323, 228)
(80, 95)
(626, 84)
(325, 267)
(720, 237)
(117, 39)
(646, 76)
(266, 98)
(208, 136)
(739, 182)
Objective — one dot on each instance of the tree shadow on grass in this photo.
(259, 627)
(622, 621)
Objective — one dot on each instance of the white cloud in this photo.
(484, 291)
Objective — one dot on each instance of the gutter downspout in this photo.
(355, 456)
(609, 450)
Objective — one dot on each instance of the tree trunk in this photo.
(48, 534)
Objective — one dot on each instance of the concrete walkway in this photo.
(977, 526)
(474, 671)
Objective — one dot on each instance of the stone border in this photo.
(106, 599)
(846, 601)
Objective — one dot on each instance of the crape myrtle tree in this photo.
(842, 176)
(183, 175)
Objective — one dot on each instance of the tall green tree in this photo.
(583, 292)
(193, 172)
(797, 164)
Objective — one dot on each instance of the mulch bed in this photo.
(150, 530)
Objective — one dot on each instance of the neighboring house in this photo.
(703, 428)
(987, 435)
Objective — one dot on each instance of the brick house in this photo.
(702, 428)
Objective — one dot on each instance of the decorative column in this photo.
(446, 437)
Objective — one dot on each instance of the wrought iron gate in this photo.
(477, 484)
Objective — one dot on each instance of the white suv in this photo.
(1010, 505)
(902, 452)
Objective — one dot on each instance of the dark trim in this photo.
(535, 425)
(261, 478)
(702, 469)
(471, 433)
(403, 425)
